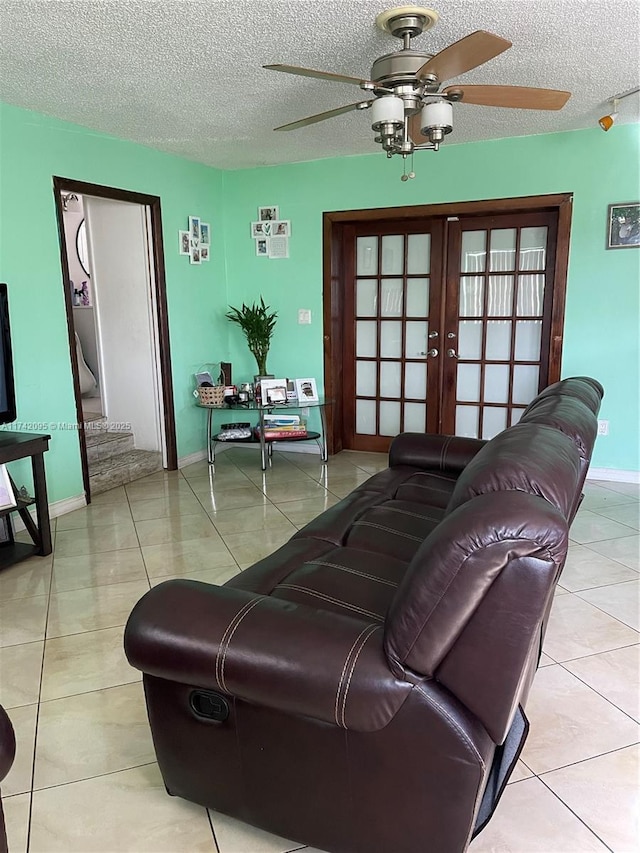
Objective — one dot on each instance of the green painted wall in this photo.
(33, 148)
(602, 315)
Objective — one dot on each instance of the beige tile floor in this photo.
(85, 777)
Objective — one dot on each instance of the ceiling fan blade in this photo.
(303, 122)
(320, 75)
(517, 97)
(461, 56)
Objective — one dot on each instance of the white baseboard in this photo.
(55, 510)
(198, 456)
(616, 475)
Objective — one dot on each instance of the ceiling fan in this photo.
(409, 109)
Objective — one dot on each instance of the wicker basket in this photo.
(211, 395)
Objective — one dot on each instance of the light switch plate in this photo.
(304, 316)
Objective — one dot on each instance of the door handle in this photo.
(433, 334)
(452, 353)
(433, 352)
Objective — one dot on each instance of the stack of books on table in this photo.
(284, 426)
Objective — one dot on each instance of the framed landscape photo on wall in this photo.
(623, 225)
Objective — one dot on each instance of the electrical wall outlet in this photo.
(603, 427)
(304, 316)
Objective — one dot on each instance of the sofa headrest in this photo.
(459, 561)
(525, 458)
(569, 415)
(588, 390)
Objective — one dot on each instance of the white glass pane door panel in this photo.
(516, 414)
(390, 339)
(530, 295)
(417, 297)
(496, 383)
(474, 251)
(366, 297)
(500, 297)
(415, 380)
(503, 249)
(391, 297)
(533, 248)
(468, 388)
(498, 344)
(367, 256)
(528, 335)
(390, 373)
(471, 296)
(470, 339)
(393, 255)
(467, 421)
(418, 254)
(525, 382)
(494, 420)
(366, 378)
(415, 417)
(366, 417)
(416, 341)
(366, 339)
(389, 418)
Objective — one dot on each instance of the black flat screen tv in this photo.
(7, 388)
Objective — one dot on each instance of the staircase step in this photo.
(122, 468)
(105, 445)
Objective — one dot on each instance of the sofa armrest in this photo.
(276, 653)
(448, 453)
(7, 743)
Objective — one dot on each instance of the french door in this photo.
(448, 324)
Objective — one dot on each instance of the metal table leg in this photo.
(211, 453)
(323, 447)
(263, 448)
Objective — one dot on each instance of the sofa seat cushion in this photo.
(346, 581)
(395, 528)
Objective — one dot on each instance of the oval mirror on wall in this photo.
(81, 246)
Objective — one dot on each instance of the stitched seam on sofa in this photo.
(457, 572)
(472, 747)
(412, 514)
(374, 628)
(443, 452)
(237, 625)
(331, 600)
(228, 634)
(429, 488)
(344, 670)
(224, 638)
(388, 530)
(350, 571)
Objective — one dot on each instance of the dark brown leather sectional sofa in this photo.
(362, 689)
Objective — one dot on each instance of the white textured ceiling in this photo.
(185, 76)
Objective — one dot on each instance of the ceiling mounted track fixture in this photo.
(409, 110)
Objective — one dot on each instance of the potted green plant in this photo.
(257, 324)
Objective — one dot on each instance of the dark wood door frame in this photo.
(66, 185)
(333, 225)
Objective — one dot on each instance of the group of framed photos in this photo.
(289, 391)
(196, 242)
(271, 234)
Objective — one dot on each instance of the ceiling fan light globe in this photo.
(387, 110)
(436, 120)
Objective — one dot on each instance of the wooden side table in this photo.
(19, 445)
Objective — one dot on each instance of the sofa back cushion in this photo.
(589, 391)
(506, 548)
(532, 458)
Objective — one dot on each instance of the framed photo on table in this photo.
(307, 391)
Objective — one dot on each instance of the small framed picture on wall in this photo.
(194, 229)
(185, 243)
(623, 225)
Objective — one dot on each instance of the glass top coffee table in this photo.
(266, 444)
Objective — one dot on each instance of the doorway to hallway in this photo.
(121, 358)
